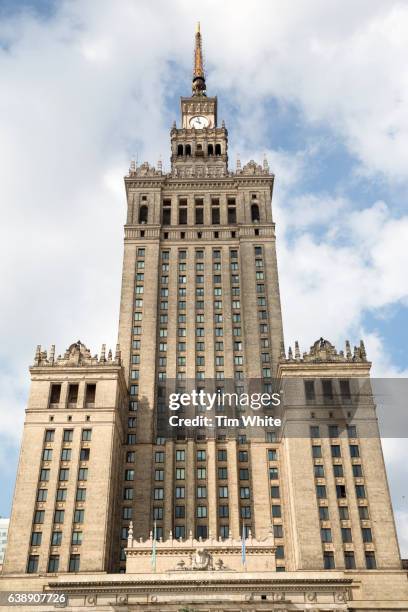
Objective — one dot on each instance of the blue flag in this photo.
(243, 546)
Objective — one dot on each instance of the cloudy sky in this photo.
(320, 88)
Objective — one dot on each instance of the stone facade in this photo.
(200, 307)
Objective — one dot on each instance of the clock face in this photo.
(199, 122)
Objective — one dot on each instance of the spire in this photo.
(198, 72)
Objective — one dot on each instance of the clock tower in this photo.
(199, 148)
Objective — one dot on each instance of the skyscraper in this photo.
(101, 468)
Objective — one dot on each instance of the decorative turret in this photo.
(76, 355)
(323, 350)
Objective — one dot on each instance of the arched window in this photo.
(143, 214)
(179, 149)
(218, 149)
(255, 212)
(210, 149)
(188, 149)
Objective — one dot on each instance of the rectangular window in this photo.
(201, 492)
(74, 563)
(90, 393)
(86, 435)
(179, 531)
(367, 535)
(323, 513)
(272, 454)
(328, 560)
(360, 491)
(276, 511)
(346, 534)
(201, 455)
(344, 513)
(42, 495)
(223, 511)
(326, 535)
(76, 538)
(83, 474)
(36, 538)
(81, 494)
(244, 493)
(49, 435)
(280, 552)
(354, 450)
(321, 491)
(345, 390)
(66, 454)
(370, 560)
(73, 394)
(56, 538)
(180, 455)
(319, 471)
(79, 516)
(55, 394)
(245, 512)
(327, 387)
(363, 512)
(215, 215)
(180, 511)
(84, 454)
(68, 435)
(59, 516)
(201, 532)
(158, 513)
(341, 491)
(44, 475)
(32, 565)
(61, 494)
(357, 470)
(201, 511)
(349, 559)
(182, 215)
(127, 513)
(333, 431)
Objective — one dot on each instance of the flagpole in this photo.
(243, 547)
(154, 552)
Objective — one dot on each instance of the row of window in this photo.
(72, 396)
(325, 389)
(349, 560)
(53, 564)
(56, 538)
(59, 516)
(68, 435)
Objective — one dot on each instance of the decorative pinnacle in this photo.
(198, 72)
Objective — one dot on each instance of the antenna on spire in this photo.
(198, 86)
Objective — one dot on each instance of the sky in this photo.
(320, 88)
